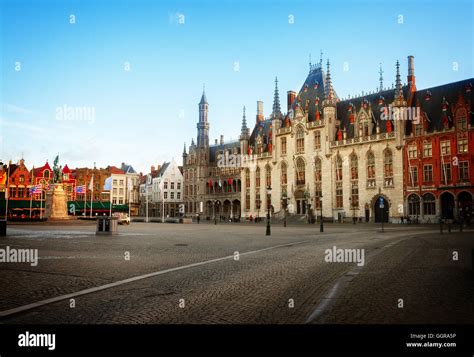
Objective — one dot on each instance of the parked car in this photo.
(123, 218)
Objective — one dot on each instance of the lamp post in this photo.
(321, 225)
(259, 203)
(284, 201)
(381, 206)
(269, 191)
(307, 197)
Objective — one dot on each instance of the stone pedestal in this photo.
(56, 203)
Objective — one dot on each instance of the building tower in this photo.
(276, 113)
(244, 135)
(203, 124)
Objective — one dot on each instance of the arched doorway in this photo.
(447, 205)
(226, 209)
(300, 202)
(414, 205)
(465, 206)
(236, 209)
(381, 208)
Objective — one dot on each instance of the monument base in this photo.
(56, 204)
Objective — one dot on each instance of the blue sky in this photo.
(144, 115)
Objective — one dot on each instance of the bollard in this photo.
(472, 260)
(3, 228)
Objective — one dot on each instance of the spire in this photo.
(310, 65)
(380, 78)
(244, 132)
(203, 97)
(398, 82)
(329, 91)
(192, 142)
(184, 150)
(321, 58)
(276, 101)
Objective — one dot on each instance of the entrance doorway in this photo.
(447, 205)
(381, 213)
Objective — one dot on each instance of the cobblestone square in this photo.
(233, 273)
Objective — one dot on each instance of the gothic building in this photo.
(211, 185)
(340, 158)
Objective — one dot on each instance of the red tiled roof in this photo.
(116, 170)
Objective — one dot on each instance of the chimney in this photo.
(411, 71)
(215, 142)
(152, 168)
(291, 96)
(222, 139)
(259, 111)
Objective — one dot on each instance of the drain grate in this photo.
(181, 245)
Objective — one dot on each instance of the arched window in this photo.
(317, 182)
(413, 205)
(247, 178)
(300, 140)
(300, 171)
(268, 176)
(257, 177)
(461, 119)
(317, 170)
(46, 174)
(338, 168)
(364, 125)
(429, 205)
(370, 169)
(284, 173)
(338, 176)
(354, 167)
(388, 167)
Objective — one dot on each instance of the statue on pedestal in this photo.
(56, 199)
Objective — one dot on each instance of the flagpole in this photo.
(7, 192)
(129, 191)
(85, 202)
(31, 193)
(41, 202)
(92, 191)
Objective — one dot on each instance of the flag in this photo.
(91, 184)
(36, 189)
(81, 189)
(129, 184)
(220, 183)
(108, 184)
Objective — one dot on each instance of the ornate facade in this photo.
(340, 158)
(211, 189)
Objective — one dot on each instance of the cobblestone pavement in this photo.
(290, 282)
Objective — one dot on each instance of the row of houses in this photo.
(84, 188)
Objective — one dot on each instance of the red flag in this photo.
(229, 181)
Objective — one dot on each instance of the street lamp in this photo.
(259, 203)
(284, 201)
(269, 192)
(307, 197)
(321, 225)
(352, 204)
